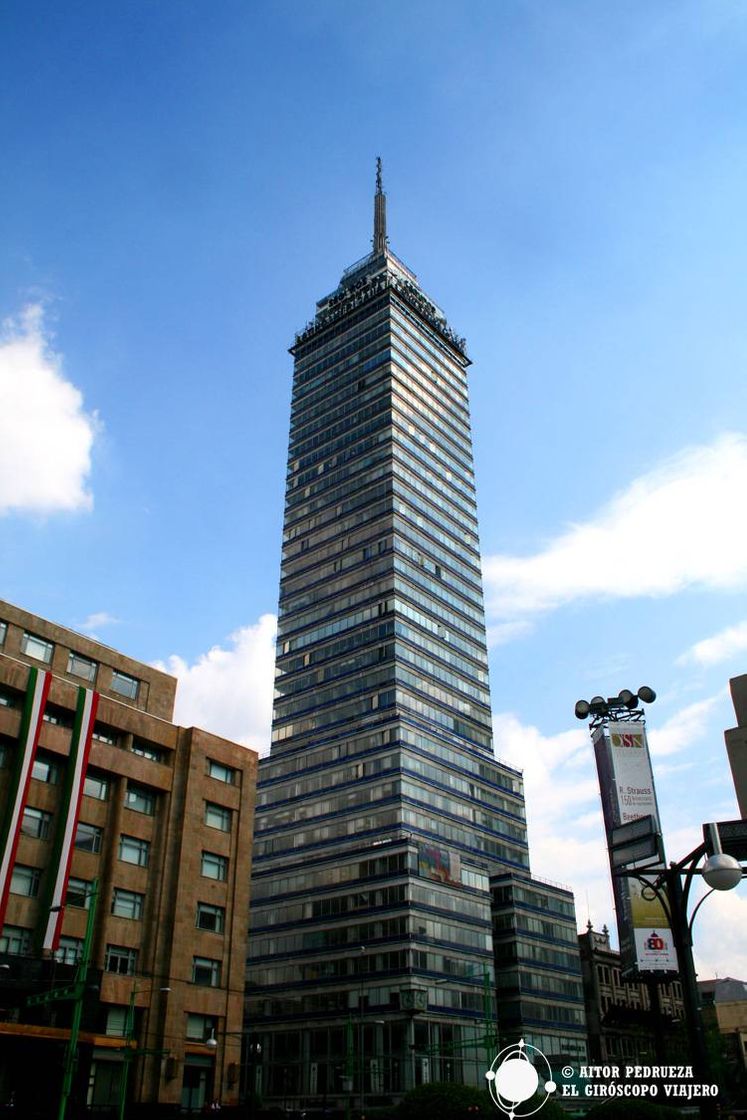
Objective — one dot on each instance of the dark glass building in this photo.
(382, 811)
(538, 967)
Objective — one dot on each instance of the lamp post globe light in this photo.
(636, 853)
(722, 872)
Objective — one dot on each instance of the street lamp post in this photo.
(129, 1050)
(634, 836)
(75, 994)
(672, 887)
(81, 977)
(251, 1056)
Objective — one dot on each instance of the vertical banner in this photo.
(37, 691)
(626, 784)
(72, 794)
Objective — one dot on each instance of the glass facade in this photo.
(538, 968)
(382, 811)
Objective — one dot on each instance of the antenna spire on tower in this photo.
(379, 237)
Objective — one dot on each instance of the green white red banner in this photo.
(72, 794)
(37, 691)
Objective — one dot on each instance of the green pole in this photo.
(129, 1034)
(81, 977)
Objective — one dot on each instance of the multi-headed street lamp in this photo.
(637, 853)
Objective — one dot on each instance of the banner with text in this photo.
(626, 783)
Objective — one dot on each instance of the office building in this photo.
(538, 967)
(100, 788)
(382, 811)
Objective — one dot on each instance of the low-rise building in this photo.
(623, 1018)
(724, 1008)
(537, 967)
(128, 832)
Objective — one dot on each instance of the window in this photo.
(38, 648)
(120, 959)
(140, 799)
(3, 632)
(201, 1027)
(127, 904)
(36, 823)
(217, 816)
(211, 917)
(222, 773)
(206, 971)
(46, 769)
(124, 685)
(58, 716)
(214, 866)
(116, 1022)
(25, 880)
(96, 786)
(10, 698)
(14, 939)
(69, 950)
(78, 893)
(133, 850)
(147, 750)
(105, 735)
(88, 837)
(80, 666)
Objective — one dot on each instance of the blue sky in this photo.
(182, 180)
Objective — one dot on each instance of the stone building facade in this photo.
(162, 823)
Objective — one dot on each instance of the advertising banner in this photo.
(626, 784)
(439, 864)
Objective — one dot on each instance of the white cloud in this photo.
(720, 947)
(566, 833)
(228, 691)
(96, 620)
(684, 728)
(719, 647)
(505, 632)
(673, 528)
(46, 437)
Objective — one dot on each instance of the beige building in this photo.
(724, 1003)
(736, 742)
(162, 818)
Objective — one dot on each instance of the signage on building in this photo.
(439, 864)
(626, 784)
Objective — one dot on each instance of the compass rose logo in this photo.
(517, 1074)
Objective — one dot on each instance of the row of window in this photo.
(49, 768)
(37, 823)
(77, 665)
(122, 959)
(125, 903)
(132, 849)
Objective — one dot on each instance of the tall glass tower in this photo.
(382, 811)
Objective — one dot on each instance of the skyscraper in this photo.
(381, 811)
